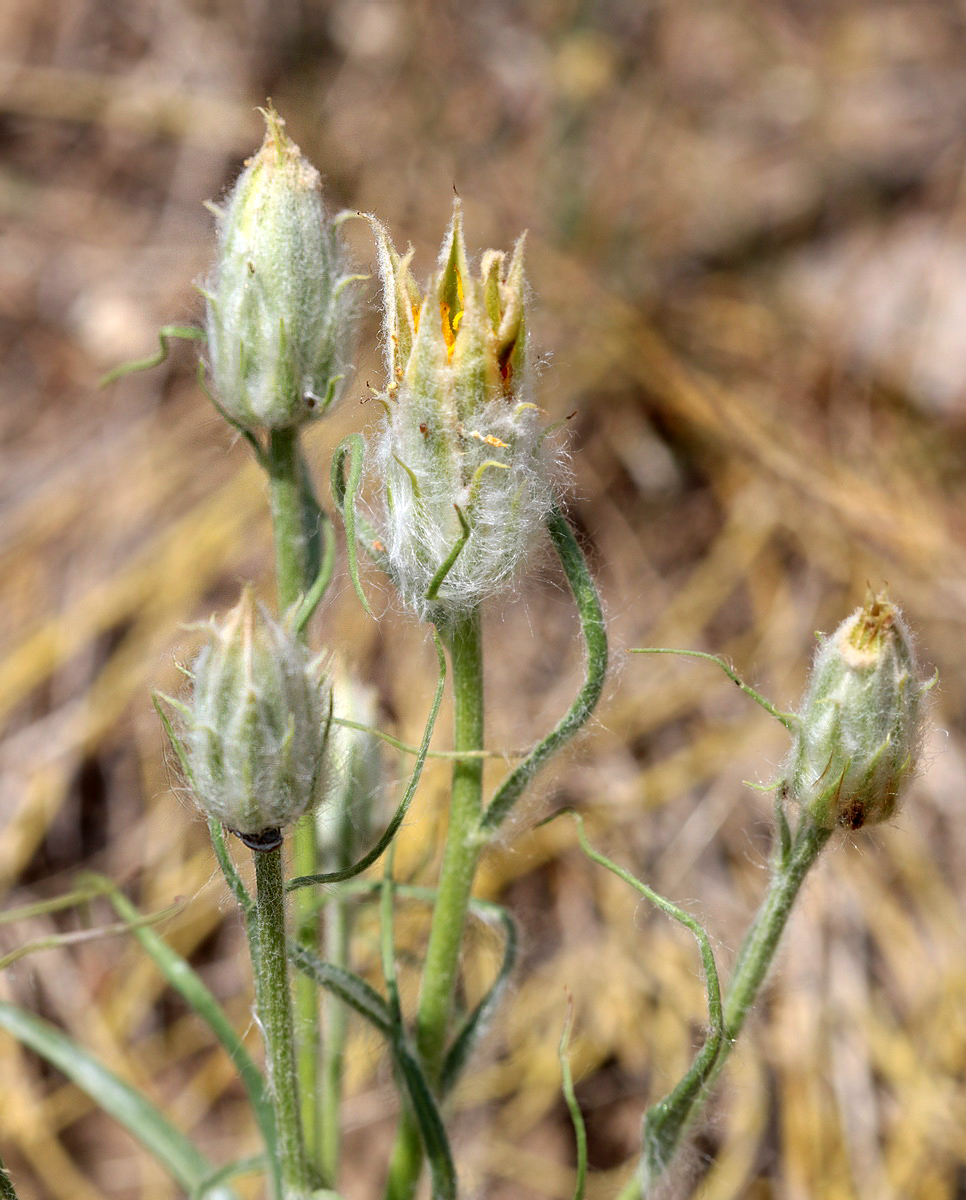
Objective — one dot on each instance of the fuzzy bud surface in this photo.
(346, 817)
(862, 720)
(277, 309)
(256, 733)
(460, 459)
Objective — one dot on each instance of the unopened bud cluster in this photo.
(860, 728)
(460, 436)
(257, 723)
(277, 308)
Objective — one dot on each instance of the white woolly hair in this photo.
(256, 733)
(505, 505)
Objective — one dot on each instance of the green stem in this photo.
(285, 497)
(460, 858)
(274, 1001)
(337, 921)
(761, 942)
(664, 1130)
(291, 577)
(336, 1026)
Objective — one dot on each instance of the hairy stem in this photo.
(761, 941)
(460, 857)
(285, 498)
(337, 923)
(291, 578)
(663, 1129)
(270, 963)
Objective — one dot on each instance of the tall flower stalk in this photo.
(857, 740)
(464, 469)
(278, 333)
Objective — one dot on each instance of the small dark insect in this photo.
(854, 815)
(423, 428)
(264, 840)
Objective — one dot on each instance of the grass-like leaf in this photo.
(663, 1121)
(570, 1096)
(180, 975)
(400, 815)
(594, 631)
(120, 1100)
(475, 1024)
(349, 987)
(386, 1018)
(358, 532)
(449, 562)
(430, 1122)
(783, 718)
(166, 334)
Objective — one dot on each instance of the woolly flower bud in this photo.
(346, 815)
(861, 725)
(256, 728)
(460, 459)
(277, 309)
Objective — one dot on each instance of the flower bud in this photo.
(345, 818)
(861, 725)
(461, 445)
(277, 308)
(256, 733)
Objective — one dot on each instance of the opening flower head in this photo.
(460, 459)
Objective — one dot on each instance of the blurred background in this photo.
(747, 252)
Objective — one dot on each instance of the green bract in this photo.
(277, 308)
(258, 722)
(460, 459)
(861, 724)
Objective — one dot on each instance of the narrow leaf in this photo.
(180, 975)
(166, 334)
(475, 1024)
(430, 1122)
(448, 563)
(118, 1099)
(595, 641)
(235, 882)
(344, 489)
(786, 719)
(400, 815)
(570, 1096)
(349, 987)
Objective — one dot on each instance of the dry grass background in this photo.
(748, 256)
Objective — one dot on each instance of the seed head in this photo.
(862, 721)
(278, 313)
(256, 733)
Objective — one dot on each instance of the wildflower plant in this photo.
(857, 739)
(461, 474)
